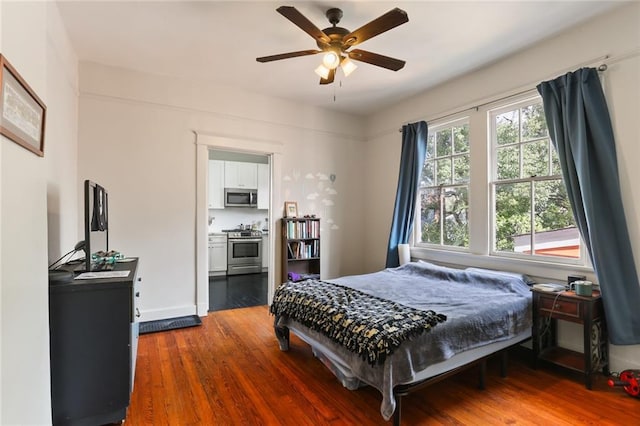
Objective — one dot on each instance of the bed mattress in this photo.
(485, 311)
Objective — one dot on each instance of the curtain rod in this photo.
(601, 68)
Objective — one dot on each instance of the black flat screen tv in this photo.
(96, 223)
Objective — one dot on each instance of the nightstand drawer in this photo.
(569, 308)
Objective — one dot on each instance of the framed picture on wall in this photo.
(290, 209)
(22, 113)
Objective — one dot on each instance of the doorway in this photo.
(270, 150)
(238, 217)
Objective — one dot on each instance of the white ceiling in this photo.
(219, 41)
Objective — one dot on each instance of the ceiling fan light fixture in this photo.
(331, 60)
(333, 42)
(348, 66)
(322, 71)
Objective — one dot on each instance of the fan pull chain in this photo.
(334, 90)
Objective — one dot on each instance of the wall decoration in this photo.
(317, 193)
(22, 113)
(290, 209)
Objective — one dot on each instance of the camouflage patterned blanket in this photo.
(366, 325)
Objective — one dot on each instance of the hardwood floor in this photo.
(229, 371)
(237, 291)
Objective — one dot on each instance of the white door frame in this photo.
(204, 142)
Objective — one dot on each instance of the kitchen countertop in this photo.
(220, 233)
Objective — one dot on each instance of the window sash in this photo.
(453, 160)
(519, 146)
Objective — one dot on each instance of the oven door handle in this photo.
(245, 240)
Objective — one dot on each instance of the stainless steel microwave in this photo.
(238, 197)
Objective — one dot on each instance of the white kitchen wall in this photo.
(232, 217)
(136, 137)
(38, 213)
(616, 34)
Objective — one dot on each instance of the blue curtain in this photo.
(414, 148)
(580, 128)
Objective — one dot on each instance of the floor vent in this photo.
(169, 324)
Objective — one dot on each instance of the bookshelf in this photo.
(300, 246)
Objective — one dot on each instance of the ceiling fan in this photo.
(335, 42)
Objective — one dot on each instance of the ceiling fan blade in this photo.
(389, 20)
(287, 55)
(330, 77)
(376, 59)
(292, 14)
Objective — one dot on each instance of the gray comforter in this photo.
(482, 307)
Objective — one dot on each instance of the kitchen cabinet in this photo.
(263, 186)
(265, 251)
(217, 253)
(240, 175)
(216, 184)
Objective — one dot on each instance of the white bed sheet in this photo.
(339, 367)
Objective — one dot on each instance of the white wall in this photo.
(33, 191)
(136, 137)
(615, 34)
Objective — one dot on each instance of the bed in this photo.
(401, 328)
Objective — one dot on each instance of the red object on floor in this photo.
(629, 380)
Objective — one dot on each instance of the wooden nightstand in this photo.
(567, 306)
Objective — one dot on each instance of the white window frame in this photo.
(417, 224)
(510, 105)
(480, 202)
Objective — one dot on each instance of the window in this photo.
(444, 187)
(531, 211)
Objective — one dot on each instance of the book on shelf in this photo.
(303, 229)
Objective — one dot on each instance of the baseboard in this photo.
(203, 309)
(173, 312)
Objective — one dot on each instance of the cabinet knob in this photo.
(137, 294)
(137, 313)
(139, 279)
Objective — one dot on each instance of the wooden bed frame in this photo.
(283, 335)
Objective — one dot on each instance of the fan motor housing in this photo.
(336, 34)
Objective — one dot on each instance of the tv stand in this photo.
(93, 327)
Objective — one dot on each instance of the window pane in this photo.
(444, 171)
(507, 126)
(556, 233)
(535, 158)
(461, 139)
(513, 217)
(443, 210)
(508, 162)
(443, 143)
(461, 169)
(555, 162)
(430, 215)
(428, 174)
(456, 227)
(533, 122)
(430, 146)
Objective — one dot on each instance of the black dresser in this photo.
(93, 343)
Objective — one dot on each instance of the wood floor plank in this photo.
(230, 371)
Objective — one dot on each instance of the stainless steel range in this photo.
(244, 254)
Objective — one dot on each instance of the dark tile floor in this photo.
(237, 291)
